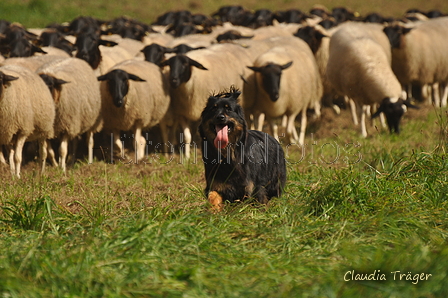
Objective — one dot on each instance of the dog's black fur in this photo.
(243, 164)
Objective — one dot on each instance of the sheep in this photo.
(27, 111)
(318, 40)
(135, 95)
(359, 67)
(419, 54)
(288, 82)
(100, 54)
(76, 93)
(32, 63)
(197, 74)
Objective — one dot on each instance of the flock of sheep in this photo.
(72, 79)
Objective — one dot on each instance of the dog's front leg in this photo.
(215, 200)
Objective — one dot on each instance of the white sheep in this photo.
(197, 74)
(135, 96)
(76, 93)
(27, 111)
(359, 67)
(33, 62)
(419, 54)
(288, 83)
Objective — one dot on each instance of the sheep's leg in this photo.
(284, 121)
(2, 157)
(317, 108)
(117, 141)
(443, 100)
(12, 165)
(63, 151)
(18, 154)
(259, 120)
(71, 158)
(139, 144)
(186, 137)
(294, 132)
(250, 119)
(436, 94)
(90, 143)
(42, 155)
(426, 93)
(51, 154)
(274, 128)
(165, 140)
(409, 91)
(352, 109)
(364, 112)
(303, 122)
(383, 120)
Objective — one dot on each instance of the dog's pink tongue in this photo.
(222, 138)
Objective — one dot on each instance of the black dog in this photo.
(239, 163)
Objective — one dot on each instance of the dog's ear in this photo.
(234, 95)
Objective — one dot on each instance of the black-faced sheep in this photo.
(288, 83)
(197, 74)
(76, 94)
(27, 111)
(419, 54)
(359, 67)
(135, 96)
(100, 54)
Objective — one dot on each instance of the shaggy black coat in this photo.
(239, 163)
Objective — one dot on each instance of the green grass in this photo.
(115, 230)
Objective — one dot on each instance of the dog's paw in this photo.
(215, 200)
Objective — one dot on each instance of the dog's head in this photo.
(222, 121)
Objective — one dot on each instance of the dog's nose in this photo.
(220, 117)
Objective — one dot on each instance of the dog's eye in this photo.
(228, 108)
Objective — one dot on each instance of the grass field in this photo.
(359, 217)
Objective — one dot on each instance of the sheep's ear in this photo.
(102, 78)
(164, 63)
(37, 49)
(406, 30)
(320, 35)
(135, 78)
(378, 112)
(60, 82)
(285, 66)
(196, 64)
(408, 104)
(8, 78)
(107, 43)
(255, 68)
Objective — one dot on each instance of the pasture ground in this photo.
(352, 207)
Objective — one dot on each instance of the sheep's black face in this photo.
(393, 110)
(154, 53)
(180, 69)
(118, 84)
(23, 48)
(311, 36)
(54, 84)
(88, 49)
(271, 74)
(393, 113)
(395, 35)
